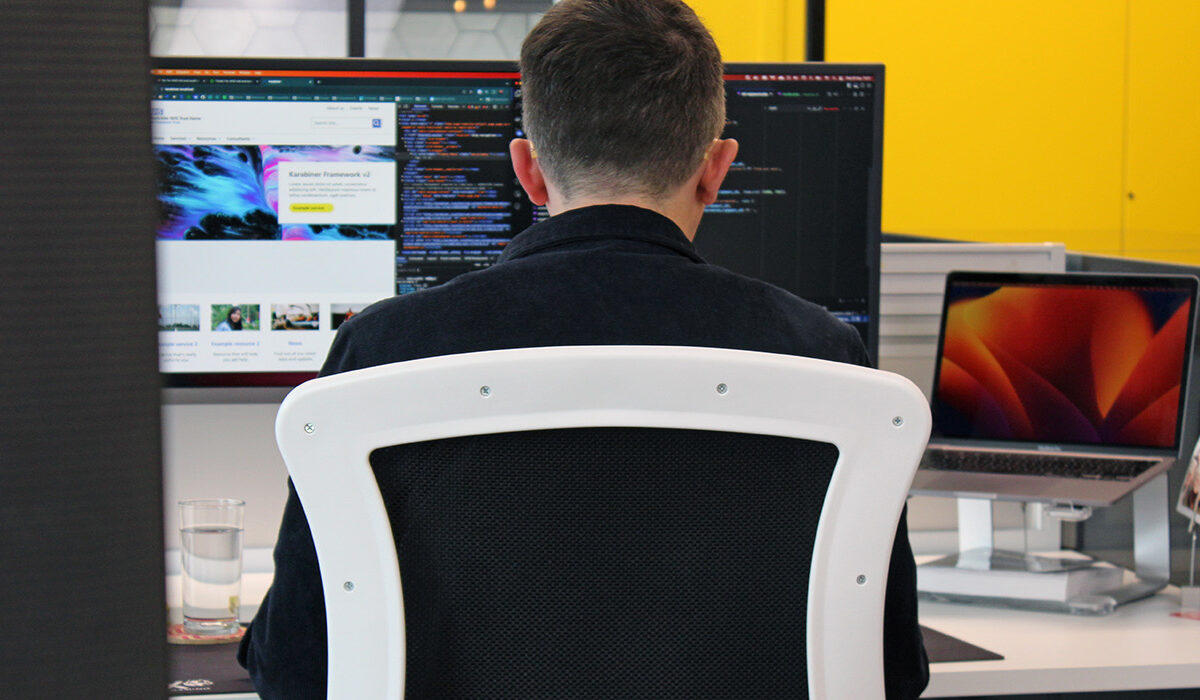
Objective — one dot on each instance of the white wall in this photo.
(224, 450)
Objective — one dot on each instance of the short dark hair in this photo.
(621, 96)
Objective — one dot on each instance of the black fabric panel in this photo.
(605, 562)
(81, 549)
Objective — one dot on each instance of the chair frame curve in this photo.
(327, 428)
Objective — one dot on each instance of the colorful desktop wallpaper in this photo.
(1062, 364)
(225, 192)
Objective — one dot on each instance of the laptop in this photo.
(1063, 388)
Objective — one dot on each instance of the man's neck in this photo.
(684, 217)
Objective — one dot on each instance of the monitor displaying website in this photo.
(294, 193)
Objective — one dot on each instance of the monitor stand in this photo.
(1151, 554)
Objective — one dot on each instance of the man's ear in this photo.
(712, 172)
(525, 165)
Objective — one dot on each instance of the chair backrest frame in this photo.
(327, 428)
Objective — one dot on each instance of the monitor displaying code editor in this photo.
(293, 193)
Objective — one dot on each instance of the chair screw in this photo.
(897, 421)
(861, 580)
(485, 391)
(309, 428)
(722, 389)
(349, 586)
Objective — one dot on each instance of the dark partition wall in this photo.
(81, 567)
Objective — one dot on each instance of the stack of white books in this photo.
(1013, 576)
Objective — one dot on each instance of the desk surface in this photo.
(1138, 647)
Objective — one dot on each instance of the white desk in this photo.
(1138, 647)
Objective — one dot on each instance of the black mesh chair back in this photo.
(605, 562)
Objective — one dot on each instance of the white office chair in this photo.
(685, 533)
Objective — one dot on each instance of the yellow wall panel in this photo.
(794, 25)
(1163, 164)
(1003, 120)
(754, 30)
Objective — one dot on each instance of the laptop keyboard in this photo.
(1076, 467)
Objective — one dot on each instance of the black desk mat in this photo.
(211, 669)
(205, 669)
(942, 648)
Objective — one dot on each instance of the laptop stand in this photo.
(978, 556)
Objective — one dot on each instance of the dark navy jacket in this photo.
(605, 275)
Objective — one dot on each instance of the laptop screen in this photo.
(1064, 359)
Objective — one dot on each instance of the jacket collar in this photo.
(601, 222)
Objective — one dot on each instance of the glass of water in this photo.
(211, 533)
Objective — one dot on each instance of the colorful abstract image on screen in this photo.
(1063, 364)
(231, 192)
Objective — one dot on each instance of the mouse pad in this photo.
(943, 648)
(206, 669)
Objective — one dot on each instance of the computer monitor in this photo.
(294, 192)
(800, 207)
